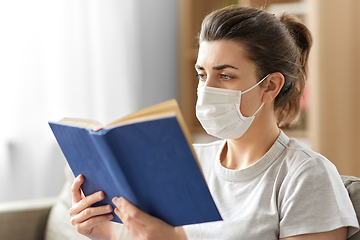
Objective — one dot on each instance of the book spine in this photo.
(119, 178)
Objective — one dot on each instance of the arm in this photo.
(93, 222)
(337, 234)
(143, 226)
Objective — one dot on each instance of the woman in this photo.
(252, 69)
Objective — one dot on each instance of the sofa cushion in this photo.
(352, 184)
(24, 216)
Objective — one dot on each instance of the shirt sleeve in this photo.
(314, 199)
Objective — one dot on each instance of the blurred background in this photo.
(87, 59)
(105, 59)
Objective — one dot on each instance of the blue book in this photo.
(146, 157)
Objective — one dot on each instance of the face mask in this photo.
(218, 111)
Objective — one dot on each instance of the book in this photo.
(146, 157)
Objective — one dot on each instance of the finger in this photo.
(126, 208)
(131, 225)
(76, 190)
(90, 213)
(87, 225)
(86, 202)
(127, 220)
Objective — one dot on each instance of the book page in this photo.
(92, 124)
(168, 108)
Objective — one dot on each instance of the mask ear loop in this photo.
(255, 84)
(253, 88)
(258, 109)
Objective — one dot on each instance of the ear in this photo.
(273, 84)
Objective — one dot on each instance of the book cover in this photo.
(149, 162)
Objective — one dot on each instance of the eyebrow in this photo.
(220, 67)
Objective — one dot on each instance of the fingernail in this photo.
(100, 195)
(117, 201)
(117, 210)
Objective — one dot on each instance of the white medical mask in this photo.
(218, 111)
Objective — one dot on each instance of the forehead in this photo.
(222, 52)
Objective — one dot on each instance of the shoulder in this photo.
(299, 159)
(299, 149)
(304, 174)
(311, 189)
(208, 153)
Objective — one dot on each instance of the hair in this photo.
(273, 44)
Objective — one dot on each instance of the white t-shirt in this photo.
(290, 191)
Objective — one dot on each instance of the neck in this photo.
(253, 145)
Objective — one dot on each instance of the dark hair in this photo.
(272, 44)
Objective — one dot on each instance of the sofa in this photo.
(25, 219)
(41, 219)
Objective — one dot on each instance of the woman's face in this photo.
(222, 64)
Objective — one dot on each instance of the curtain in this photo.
(60, 58)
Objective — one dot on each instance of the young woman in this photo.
(252, 69)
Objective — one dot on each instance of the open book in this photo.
(146, 157)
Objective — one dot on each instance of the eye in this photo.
(226, 77)
(201, 77)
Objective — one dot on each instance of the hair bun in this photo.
(301, 36)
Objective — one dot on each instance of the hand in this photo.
(143, 226)
(93, 222)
